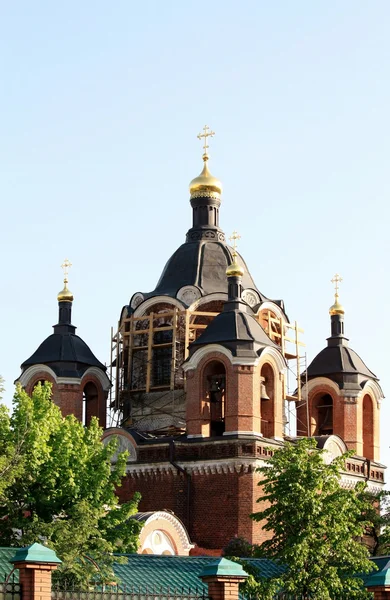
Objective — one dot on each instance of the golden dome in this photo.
(336, 308)
(205, 182)
(65, 295)
(234, 269)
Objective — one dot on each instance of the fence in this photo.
(10, 589)
(125, 592)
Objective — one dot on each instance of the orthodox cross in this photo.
(233, 238)
(206, 133)
(66, 266)
(336, 280)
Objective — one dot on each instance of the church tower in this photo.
(235, 372)
(343, 395)
(79, 379)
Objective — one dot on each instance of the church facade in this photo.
(198, 385)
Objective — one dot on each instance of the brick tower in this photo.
(79, 380)
(343, 395)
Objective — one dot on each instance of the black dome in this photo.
(64, 351)
(67, 354)
(202, 264)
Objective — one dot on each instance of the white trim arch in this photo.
(276, 356)
(142, 308)
(193, 362)
(32, 371)
(125, 441)
(100, 375)
(267, 305)
(318, 381)
(222, 296)
(373, 389)
(177, 525)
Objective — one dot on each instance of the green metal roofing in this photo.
(145, 570)
(5, 566)
(36, 553)
(148, 571)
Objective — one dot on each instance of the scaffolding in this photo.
(147, 353)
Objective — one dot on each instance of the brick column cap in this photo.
(35, 554)
(223, 569)
(380, 577)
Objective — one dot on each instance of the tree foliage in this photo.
(10, 452)
(63, 494)
(316, 525)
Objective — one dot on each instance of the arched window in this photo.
(90, 402)
(368, 427)
(267, 397)
(323, 413)
(271, 324)
(215, 385)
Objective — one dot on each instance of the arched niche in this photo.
(208, 311)
(214, 387)
(272, 323)
(164, 534)
(322, 414)
(267, 401)
(90, 402)
(368, 427)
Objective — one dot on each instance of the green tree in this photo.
(315, 523)
(10, 452)
(378, 514)
(64, 495)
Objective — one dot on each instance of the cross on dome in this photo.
(336, 280)
(206, 133)
(66, 266)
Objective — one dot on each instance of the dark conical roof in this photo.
(339, 362)
(64, 351)
(202, 264)
(236, 329)
(338, 359)
(58, 349)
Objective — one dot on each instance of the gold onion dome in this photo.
(336, 308)
(234, 269)
(205, 182)
(65, 295)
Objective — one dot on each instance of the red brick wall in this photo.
(220, 503)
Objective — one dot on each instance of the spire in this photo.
(336, 312)
(205, 198)
(65, 300)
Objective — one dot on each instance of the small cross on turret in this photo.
(233, 239)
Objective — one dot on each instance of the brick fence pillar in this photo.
(223, 578)
(35, 564)
(381, 592)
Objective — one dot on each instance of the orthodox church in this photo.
(197, 388)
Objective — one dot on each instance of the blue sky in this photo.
(100, 104)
